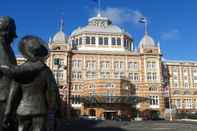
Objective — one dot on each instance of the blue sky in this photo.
(171, 22)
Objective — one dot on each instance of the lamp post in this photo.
(166, 84)
(57, 62)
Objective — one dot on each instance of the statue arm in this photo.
(24, 69)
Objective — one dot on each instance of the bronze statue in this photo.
(38, 90)
(7, 57)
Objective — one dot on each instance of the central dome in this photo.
(101, 25)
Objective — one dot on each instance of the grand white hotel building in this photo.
(98, 67)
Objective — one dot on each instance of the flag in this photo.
(166, 90)
(142, 20)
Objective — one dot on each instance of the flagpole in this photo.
(99, 7)
(146, 27)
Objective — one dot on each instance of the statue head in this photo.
(7, 28)
(33, 48)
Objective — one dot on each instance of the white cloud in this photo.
(173, 34)
(122, 15)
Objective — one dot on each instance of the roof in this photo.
(179, 61)
(147, 42)
(107, 28)
(59, 37)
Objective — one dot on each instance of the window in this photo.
(174, 69)
(105, 41)
(58, 61)
(76, 41)
(105, 75)
(185, 70)
(154, 101)
(186, 85)
(195, 70)
(125, 42)
(76, 64)
(76, 99)
(188, 103)
(154, 76)
(100, 41)
(178, 103)
(151, 65)
(58, 74)
(87, 40)
(91, 65)
(93, 40)
(175, 84)
(134, 76)
(118, 41)
(80, 41)
(175, 77)
(195, 77)
(76, 75)
(132, 65)
(151, 76)
(119, 75)
(73, 42)
(113, 41)
(104, 65)
(119, 66)
(91, 75)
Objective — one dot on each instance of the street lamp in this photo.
(57, 62)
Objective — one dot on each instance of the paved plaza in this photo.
(85, 125)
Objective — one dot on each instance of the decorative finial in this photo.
(145, 22)
(158, 44)
(50, 40)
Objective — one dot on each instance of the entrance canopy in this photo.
(92, 100)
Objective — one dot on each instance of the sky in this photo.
(171, 22)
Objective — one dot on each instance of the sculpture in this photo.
(7, 57)
(37, 90)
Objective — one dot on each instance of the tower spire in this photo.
(62, 23)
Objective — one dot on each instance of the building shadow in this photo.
(86, 125)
